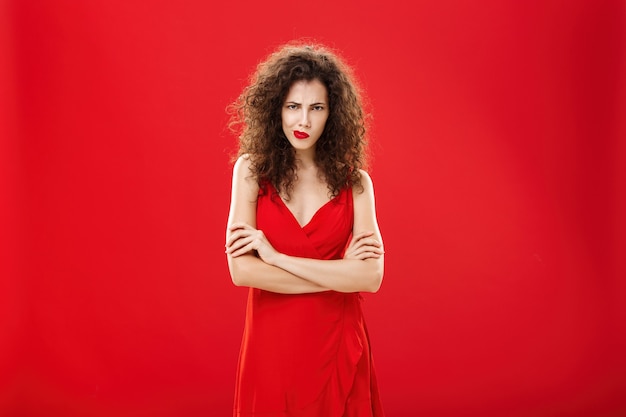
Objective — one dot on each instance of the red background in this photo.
(499, 168)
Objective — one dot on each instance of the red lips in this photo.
(300, 135)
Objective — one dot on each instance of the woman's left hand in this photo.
(364, 246)
(245, 238)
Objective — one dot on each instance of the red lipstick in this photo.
(300, 135)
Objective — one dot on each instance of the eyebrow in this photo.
(312, 104)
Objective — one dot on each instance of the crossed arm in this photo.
(361, 269)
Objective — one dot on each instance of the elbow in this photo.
(376, 279)
(375, 284)
(236, 279)
(237, 273)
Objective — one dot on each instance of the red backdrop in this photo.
(499, 168)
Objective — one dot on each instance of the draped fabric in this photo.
(306, 354)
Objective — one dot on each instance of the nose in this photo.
(304, 118)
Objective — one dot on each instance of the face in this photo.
(304, 114)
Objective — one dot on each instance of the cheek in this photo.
(287, 119)
(322, 121)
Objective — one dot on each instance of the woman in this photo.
(302, 234)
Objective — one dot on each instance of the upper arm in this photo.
(243, 200)
(365, 208)
(244, 194)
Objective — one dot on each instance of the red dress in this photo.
(306, 355)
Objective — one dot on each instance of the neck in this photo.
(305, 159)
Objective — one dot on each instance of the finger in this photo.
(356, 238)
(374, 244)
(365, 249)
(366, 255)
(238, 234)
(352, 241)
(239, 225)
(365, 244)
(362, 235)
(241, 233)
(359, 236)
(242, 251)
(370, 241)
(243, 246)
(239, 243)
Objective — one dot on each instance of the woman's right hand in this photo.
(363, 246)
(245, 238)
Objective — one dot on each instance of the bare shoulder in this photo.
(365, 207)
(366, 190)
(242, 168)
(366, 180)
(242, 165)
(243, 177)
(244, 193)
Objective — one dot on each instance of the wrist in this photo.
(277, 259)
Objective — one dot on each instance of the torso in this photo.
(308, 195)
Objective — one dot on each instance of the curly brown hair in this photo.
(256, 118)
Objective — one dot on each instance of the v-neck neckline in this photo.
(294, 217)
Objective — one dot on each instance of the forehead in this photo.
(304, 91)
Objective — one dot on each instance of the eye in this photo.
(292, 106)
(318, 108)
